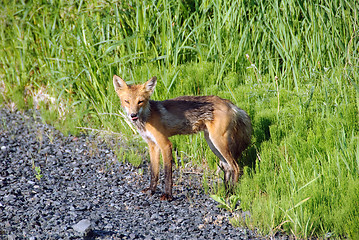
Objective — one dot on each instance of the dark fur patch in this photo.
(186, 114)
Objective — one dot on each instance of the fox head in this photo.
(134, 98)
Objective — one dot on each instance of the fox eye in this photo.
(126, 101)
(140, 101)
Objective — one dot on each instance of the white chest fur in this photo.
(147, 136)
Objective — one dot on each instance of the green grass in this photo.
(293, 66)
(309, 163)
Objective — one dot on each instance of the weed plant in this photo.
(292, 65)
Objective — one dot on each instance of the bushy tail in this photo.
(242, 131)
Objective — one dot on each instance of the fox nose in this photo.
(134, 116)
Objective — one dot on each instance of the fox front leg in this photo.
(155, 167)
(166, 150)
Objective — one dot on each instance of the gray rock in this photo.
(9, 198)
(83, 226)
(11, 237)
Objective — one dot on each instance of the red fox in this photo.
(226, 127)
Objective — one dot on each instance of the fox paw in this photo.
(166, 197)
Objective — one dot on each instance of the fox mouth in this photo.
(134, 116)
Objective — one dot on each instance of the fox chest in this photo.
(147, 136)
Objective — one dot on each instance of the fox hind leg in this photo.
(220, 147)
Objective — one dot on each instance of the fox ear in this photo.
(151, 84)
(118, 82)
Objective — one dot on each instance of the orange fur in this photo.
(226, 127)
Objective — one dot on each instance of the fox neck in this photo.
(143, 116)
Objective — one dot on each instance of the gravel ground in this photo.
(82, 191)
